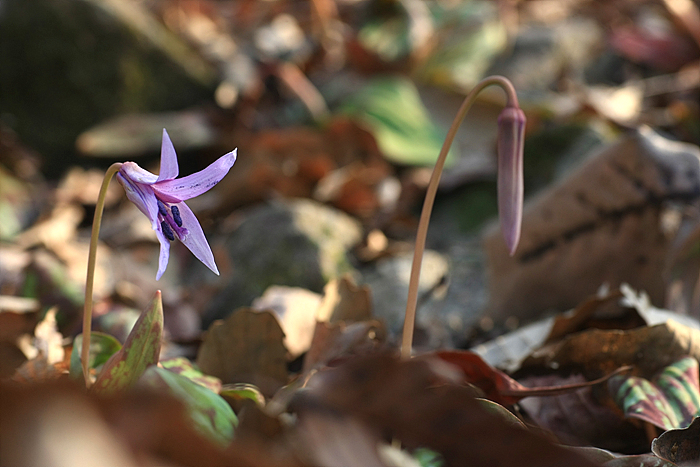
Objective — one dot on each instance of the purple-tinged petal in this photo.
(181, 189)
(142, 196)
(136, 174)
(511, 130)
(195, 240)
(168, 159)
(164, 253)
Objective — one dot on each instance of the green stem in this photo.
(89, 282)
(410, 318)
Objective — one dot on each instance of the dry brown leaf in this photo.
(580, 419)
(295, 309)
(344, 300)
(679, 446)
(13, 325)
(331, 439)
(148, 429)
(48, 341)
(597, 352)
(602, 224)
(411, 401)
(332, 341)
(246, 347)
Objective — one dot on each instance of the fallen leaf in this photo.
(246, 347)
(47, 340)
(343, 300)
(582, 418)
(18, 316)
(649, 349)
(333, 341)
(295, 309)
(412, 401)
(331, 439)
(681, 446)
(500, 387)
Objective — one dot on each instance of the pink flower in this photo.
(162, 199)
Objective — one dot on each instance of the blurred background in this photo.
(338, 109)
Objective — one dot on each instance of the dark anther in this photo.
(167, 231)
(176, 215)
(162, 210)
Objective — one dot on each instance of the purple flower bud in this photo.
(511, 131)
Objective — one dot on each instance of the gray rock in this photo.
(388, 279)
(297, 243)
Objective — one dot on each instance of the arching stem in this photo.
(90, 280)
(410, 318)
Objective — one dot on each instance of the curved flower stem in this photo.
(410, 317)
(89, 282)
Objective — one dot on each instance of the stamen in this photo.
(167, 231)
(176, 215)
(162, 210)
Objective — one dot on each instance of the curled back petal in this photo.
(181, 189)
(195, 240)
(136, 174)
(168, 159)
(142, 196)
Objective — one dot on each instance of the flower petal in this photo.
(142, 196)
(164, 253)
(195, 240)
(181, 189)
(511, 130)
(168, 159)
(136, 174)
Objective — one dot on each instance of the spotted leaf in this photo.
(670, 401)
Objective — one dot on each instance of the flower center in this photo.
(171, 221)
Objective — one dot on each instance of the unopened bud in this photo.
(511, 134)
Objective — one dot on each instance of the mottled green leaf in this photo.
(240, 391)
(141, 350)
(670, 401)
(211, 415)
(500, 411)
(186, 368)
(102, 347)
(392, 111)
